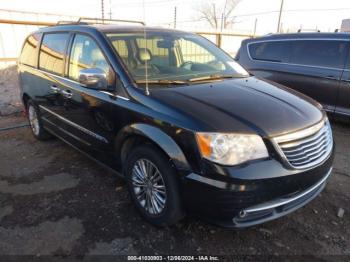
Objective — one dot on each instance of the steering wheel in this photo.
(187, 65)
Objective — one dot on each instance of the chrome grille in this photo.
(306, 148)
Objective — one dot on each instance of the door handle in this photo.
(67, 94)
(331, 77)
(55, 89)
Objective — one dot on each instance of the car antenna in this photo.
(144, 37)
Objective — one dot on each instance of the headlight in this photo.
(231, 149)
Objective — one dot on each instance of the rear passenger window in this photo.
(319, 53)
(52, 53)
(29, 54)
(86, 54)
(276, 51)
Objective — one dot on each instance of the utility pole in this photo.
(215, 17)
(110, 9)
(255, 26)
(175, 16)
(280, 16)
(103, 10)
(223, 16)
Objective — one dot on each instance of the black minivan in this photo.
(186, 126)
(316, 64)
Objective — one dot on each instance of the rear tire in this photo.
(153, 186)
(35, 122)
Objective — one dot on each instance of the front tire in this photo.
(35, 122)
(153, 186)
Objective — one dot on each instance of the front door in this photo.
(87, 110)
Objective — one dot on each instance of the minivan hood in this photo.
(248, 105)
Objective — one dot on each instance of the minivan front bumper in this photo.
(236, 202)
(278, 207)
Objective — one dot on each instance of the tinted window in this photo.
(29, 55)
(86, 54)
(192, 52)
(270, 51)
(122, 48)
(173, 56)
(160, 56)
(347, 66)
(52, 52)
(318, 53)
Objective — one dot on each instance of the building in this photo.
(345, 25)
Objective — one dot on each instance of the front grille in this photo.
(306, 148)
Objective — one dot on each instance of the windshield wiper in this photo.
(162, 82)
(211, 77)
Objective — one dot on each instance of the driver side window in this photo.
(86, 54)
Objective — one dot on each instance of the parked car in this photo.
(179, 119)
(316, 64)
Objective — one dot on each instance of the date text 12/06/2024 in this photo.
(173, 258)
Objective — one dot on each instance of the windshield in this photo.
(173, 57)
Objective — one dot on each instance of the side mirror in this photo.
(94, 78)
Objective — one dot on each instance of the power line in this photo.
(159, 2)
(293, 10)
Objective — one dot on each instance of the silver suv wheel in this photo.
(149, 186)
(33, 120)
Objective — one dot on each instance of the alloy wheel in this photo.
(149, 186)
(33, 120)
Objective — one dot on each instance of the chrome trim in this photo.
(303, 133)
(342, 113)
(118, 96)
(59, 77)
(84, 152)
(324, 150)
(310, 142)
(283, 201)
(65, 131)
(299, 39)
(83, 129)
(77, 83)
(209, 181)
(67, 94)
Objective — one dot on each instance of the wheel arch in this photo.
(25, 99)
(135, 134)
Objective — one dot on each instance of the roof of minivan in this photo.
(303, 35)
(107, 28)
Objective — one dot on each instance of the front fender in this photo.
(164, 141)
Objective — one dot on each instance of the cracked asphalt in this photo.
(55, 201)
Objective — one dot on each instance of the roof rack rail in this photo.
(309, 30)
(104, 21)
(64, 22)
(91, 20)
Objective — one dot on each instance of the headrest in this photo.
(144, 55)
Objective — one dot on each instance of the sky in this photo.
(323, 15)
(308, 14)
